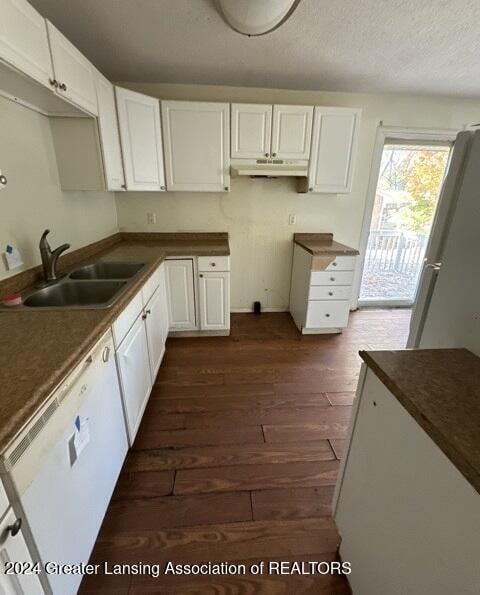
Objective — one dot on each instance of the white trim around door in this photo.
(391, 133)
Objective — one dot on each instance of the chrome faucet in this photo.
(50, 257)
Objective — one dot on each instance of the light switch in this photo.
(151, 218)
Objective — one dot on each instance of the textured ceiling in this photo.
(397, 46)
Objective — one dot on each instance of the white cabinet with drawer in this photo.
(198, 294)
(320, 299)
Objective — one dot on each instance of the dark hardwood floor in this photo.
(237, 456)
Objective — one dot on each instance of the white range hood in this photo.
(269, 167)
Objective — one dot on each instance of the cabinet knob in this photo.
(274, 154)
(53, 82)
(227, 188)
(266, 154)
(330, 293)
(162, 187)
(201, 276)
(124, 186)
(15, 528)
(213, 264)
(310, 189)
(147, 312)
(327, 315)
(332, 278)
(62, 87)
(334, 264)
(144, 316)
(3, 180)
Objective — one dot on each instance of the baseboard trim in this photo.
(250, 311)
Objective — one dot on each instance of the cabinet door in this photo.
(24, 40)
(214, 301)
(109, 135)
(14, 549)
(197, 145)
(74, 74)
(291, 131)
(251, 130)
(135, 376)
(334, 140)
(180, 294)
(139, 121)
(156, 320)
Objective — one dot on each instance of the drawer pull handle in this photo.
(15, 528)
(106, 354)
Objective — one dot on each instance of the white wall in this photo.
(255, 212)
(32, 200)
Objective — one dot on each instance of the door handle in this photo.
(435, 266)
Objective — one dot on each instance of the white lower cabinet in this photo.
(181, 294)
(13, 548)
(135, 376)
(214, 297)
(157, 328)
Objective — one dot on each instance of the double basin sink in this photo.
(92, 286)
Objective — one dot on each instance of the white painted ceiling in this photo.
(397, 46)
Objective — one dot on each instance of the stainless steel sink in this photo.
(76, 294)
(107, 270)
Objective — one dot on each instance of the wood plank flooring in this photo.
(237, 456)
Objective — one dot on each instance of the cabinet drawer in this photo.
(332, 292)
(124, 322)
(341, 263)
(331, 278)
(3, 501)
(327, 314)
(213, 263)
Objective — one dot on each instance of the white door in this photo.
(14, 549)
(291, 131)
(180, 294)
(74, 74)
(214, 301)
(135, 376)
(109, 135)
(141, 135)
(251, 130)
(197, 145)
(156, 316)
(24, 40)
(334, 140)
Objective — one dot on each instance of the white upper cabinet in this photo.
(334, 142)
(74, 74)
(24, 40)
(141, 136)
(291, 131)
(109, 135)
(197, 145)
(251, 130)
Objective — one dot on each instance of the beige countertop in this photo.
(40, 347)
(323, 244)
(440, 388)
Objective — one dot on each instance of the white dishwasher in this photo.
(65, 464)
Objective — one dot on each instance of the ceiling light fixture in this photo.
(256, 17)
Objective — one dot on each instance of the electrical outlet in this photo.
(151, 218)
(292, 219)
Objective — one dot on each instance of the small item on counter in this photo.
(14, 299)
(257, 307)
(13, 258)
